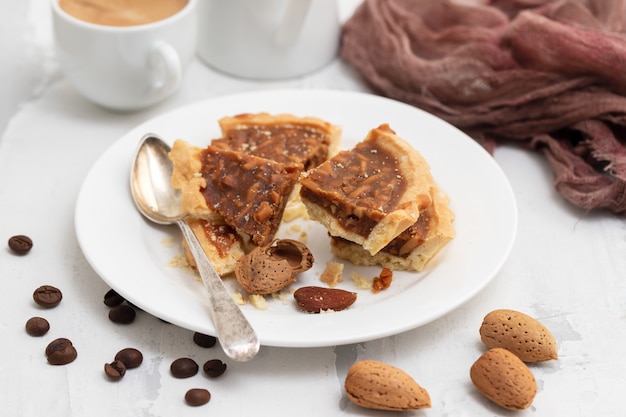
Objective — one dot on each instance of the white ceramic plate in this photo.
(133, 256)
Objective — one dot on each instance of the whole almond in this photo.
(376, 385)
(504, 379)
(315, 299)
(519, 333)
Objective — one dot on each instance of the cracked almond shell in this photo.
(268, 269)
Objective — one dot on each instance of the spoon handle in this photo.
(236, 335)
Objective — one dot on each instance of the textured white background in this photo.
(567, 268)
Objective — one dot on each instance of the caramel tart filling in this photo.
(248, 191)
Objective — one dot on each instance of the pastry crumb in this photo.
(180, 261)
(281, 296)
(294, 229)
(168, 242)
(361, 282)
(332, 274)
(295, 210)
(239, 299)
(258, 301)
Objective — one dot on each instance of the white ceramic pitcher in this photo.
(268, 39)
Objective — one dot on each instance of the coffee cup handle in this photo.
(165, 69)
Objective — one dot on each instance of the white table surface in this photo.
(567, 268)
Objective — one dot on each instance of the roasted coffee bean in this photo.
(37, 326)
(47, 296)
(197, 396)
(184, 368)
(131, 357)
(20, 244)
(204, 340)
(61, 352)
(214, 368)
(115, 370)
(112, 298)
(57, 345)
(122, 314)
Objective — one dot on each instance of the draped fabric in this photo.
(547, 74)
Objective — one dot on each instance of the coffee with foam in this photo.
(122, 12)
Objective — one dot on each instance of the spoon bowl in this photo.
(152, 171)
(159, 202)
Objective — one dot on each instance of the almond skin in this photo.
(376, 385)
(520, 334)
(504, 379)
(315, 299)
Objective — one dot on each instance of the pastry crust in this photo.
(370, 194)
(439, 232)
(187, 177)
(221, 243)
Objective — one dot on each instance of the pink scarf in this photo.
(549, 74)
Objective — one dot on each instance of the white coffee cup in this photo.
(268, 39)
(125, 68)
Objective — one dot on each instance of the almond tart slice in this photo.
(223, 186)
(414, 248)
(369, 194)
(284, 138)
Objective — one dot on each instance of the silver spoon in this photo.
(158, 201)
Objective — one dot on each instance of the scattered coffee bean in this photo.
(47, 296)
(61, 352)
(197, 396)
(184, 368)
(131, 357)
(204, 340)
(20, 244)
(122, 314)
(115, 370)
(214, 368)
(112, 298)
(37, 326)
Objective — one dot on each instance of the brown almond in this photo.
(504, 379)
(315, 299)
(376, 385)
(520, 334)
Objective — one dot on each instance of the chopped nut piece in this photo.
(383, 281)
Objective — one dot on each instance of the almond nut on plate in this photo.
(376, 385)
(314, 299)
(504, 379)
(519, 333)
(268, 269)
